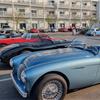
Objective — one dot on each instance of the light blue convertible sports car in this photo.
(50, 74)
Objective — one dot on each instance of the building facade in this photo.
(25, 14)
(98, 10)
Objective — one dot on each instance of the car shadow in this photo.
(4, 66)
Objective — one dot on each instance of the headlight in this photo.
(23, 77)
(20, 70)
(11, 62)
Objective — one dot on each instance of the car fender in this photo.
(17, 60)
(34, 75)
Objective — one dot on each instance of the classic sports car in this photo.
(7, 52)
(27, 37)
(50, 74)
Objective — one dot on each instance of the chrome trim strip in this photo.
(24, 95)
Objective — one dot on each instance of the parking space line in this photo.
(6, 79)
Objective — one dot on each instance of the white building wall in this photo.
(98, 10)
(39, 20)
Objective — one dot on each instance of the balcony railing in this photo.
(76, 17)
(20, 15)
(86, 7)
(64, 16)
(89, 17)
(63, 5)
(75, 7)
(51, 16)
(5, 2)
(93, 8)
(5, 14)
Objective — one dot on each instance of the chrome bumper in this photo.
(18, 86)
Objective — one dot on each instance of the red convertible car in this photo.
(27, 37)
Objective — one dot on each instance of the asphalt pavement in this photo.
(8, 91)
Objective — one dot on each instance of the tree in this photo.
(17, 18)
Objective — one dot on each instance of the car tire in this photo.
(51, 87)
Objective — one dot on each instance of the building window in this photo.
(94, 5)
(51, 12)
(3, 9)
(94, 14)
(74, 13)
(84, 13)
(34, 12)
(51, 2)
(3, 24)
(85, 4)
(22, 25)
(73, 3)
(34, 25)
(62, 2)
(22, 11)
(62, 13)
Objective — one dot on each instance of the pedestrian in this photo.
(74, 30)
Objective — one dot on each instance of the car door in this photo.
(98, 72)
(84, 72)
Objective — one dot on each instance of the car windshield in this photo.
(29, 35)
(84, 44)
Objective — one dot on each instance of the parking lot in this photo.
(8, 91)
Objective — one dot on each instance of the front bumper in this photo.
(19, 86)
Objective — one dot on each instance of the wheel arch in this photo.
(52, 72)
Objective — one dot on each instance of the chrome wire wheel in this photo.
(52, 90)
(50, 87)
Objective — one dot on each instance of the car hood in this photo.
(4, 50)
(24, 57)
(56, 56)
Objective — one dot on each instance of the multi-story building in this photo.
(26, 14)
(98, 10)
